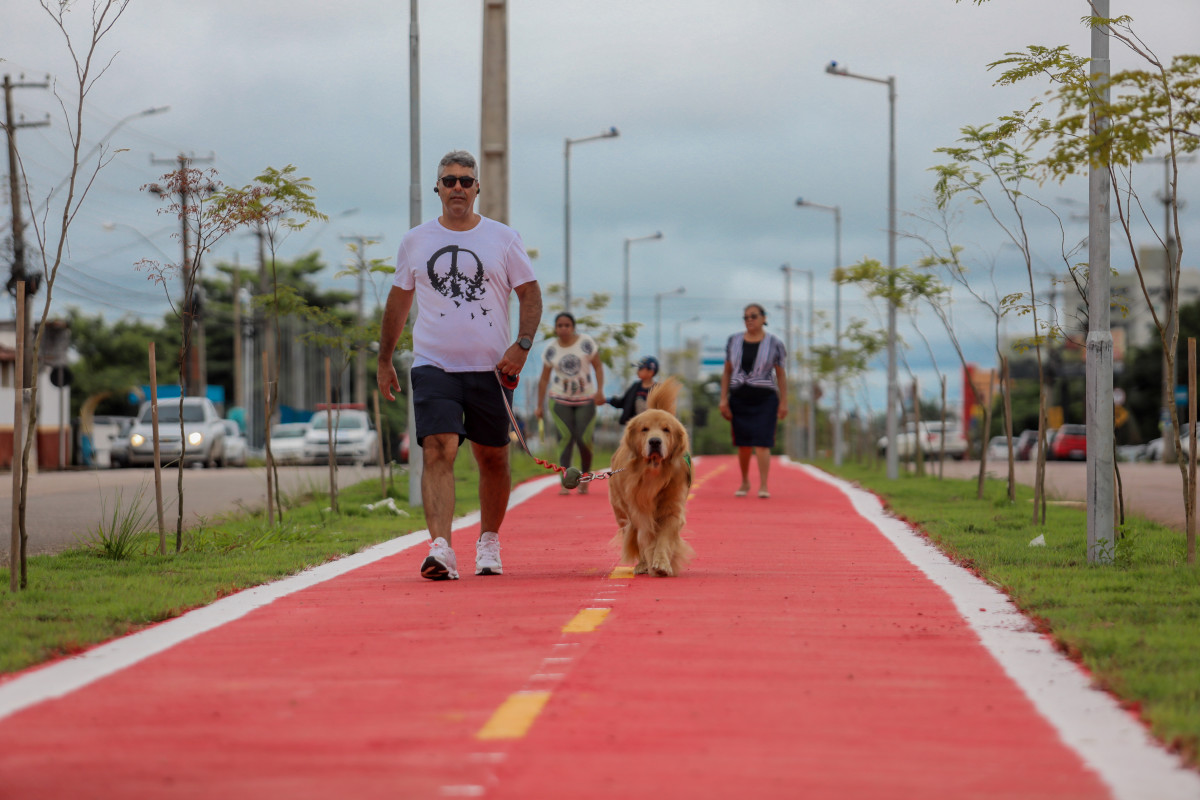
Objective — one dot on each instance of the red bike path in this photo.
(801, 654)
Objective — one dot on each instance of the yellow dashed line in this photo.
(621, 572)
(586, 620)
(515, 716)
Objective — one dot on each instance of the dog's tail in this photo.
(663, 395)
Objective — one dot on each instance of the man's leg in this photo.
(495, 484)
(437, 483)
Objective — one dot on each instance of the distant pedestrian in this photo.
(633, 402)
(574, 377)
(461, 268)
(754, 394)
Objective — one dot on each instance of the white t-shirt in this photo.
(463, 280)
(572, 381)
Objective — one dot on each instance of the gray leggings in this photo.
(574, 424)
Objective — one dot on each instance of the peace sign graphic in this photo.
(450, 281)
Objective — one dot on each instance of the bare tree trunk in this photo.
(1006, 388)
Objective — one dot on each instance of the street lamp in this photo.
(658, 318)
(608, 134)
(893, 468)
(112, 226)
(104, 140)
(837, 326)
(810, 440)
(679, 330)
(625, 304)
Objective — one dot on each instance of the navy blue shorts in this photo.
(466, 403)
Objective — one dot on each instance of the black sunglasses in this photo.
(466, 181)
(750, 316)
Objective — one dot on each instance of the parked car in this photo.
(202, 425)
(930, 438)
(1070, 443)
(1154, 448)
(110, 440)
(1026, 445)
(354, 439)
(287, 442)
(235, 444)
(997, 449)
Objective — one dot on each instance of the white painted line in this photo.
(1110, 741)
(63, 677)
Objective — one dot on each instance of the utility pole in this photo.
(493, 147)
(18, 226)
(1101, 483)
(360, 355)
(416, 457)
(195, 377)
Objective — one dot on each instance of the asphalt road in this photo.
(1152, 490)
(65, 507)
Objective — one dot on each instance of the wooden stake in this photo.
(158, 499)
(14, 553)
(1191, 498)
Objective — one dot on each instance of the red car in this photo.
(1070, 443)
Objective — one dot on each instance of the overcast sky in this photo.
(725, 111)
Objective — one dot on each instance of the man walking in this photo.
(461, 268)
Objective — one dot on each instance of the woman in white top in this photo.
(574, 376)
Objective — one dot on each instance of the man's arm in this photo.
(529, 315)
(395, 314)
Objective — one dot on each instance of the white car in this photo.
(287, 442)
(202, 425)
(235, 444)
(997, 449)
(355, 441)
(931, 440)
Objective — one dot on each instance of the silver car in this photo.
(235, 444)
(355, 440)
(287, 442)
(202, 425)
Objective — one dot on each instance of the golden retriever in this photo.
(652, 474)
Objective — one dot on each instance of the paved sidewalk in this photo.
(813, 649)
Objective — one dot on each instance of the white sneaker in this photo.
(487, 555)
(440, 564)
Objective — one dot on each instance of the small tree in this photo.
(52, 237)
(1151, 113)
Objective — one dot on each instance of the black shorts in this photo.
(466, 403)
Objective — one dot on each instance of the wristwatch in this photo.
(525, 343)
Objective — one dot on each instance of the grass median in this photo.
(1135, 624)
(84, 596)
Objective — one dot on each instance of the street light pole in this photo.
(837, 326)
(893, 461)
(608, 134)
(658, 318)
(625, 302)
(811, 422)
(679, 330)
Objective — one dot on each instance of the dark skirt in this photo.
(755, 412)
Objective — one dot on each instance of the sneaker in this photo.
(487, 555)
(583, 488)
(440, 564)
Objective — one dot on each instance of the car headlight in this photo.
(195, 438)
(137, 440)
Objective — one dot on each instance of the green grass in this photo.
(85, 596)
(1135, 624)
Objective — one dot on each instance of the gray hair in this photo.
(460, 157)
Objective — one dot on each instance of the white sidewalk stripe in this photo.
(1109, 740)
